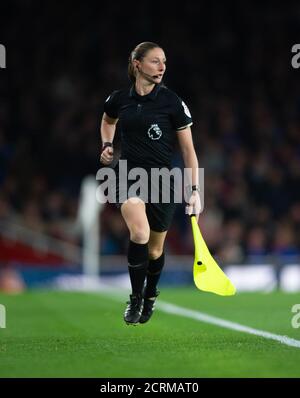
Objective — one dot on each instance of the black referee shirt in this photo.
(148, 124)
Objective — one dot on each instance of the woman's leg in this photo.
(156, 261)
(134, 214)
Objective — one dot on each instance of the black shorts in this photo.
(159, 212)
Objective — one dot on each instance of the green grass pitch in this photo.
(64, 334)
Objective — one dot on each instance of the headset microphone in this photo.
(146, 74)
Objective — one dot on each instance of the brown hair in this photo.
(139, 53)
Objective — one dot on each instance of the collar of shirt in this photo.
(151, 96)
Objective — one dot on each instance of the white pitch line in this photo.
(200, 316)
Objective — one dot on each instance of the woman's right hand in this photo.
(107, 156)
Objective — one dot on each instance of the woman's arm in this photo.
(185, 140)
(108, 128)
(186, 144)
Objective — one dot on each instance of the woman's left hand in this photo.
(194, 206)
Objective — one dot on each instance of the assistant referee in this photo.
(150, 117)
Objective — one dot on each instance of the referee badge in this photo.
(186, 109)
(154, 132)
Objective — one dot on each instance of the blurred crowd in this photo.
(230, 64)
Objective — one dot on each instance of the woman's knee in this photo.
(135, 217)
(139, 233)
(155, 253)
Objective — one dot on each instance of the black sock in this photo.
(153, 274)
(137, 265)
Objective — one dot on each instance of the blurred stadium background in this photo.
(231, 63)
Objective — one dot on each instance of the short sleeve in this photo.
(111, 105)
(180, 115)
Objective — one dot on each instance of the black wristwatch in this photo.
(195, 188)
(105, 145)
